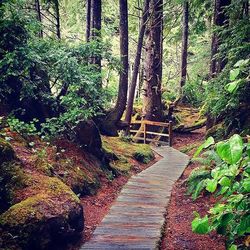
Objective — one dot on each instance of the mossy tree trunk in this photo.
(152, 105)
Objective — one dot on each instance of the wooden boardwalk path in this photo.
(136, 218)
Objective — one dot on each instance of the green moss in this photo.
(12, 179)
(125, 152)
(143, 154)
(81, 180)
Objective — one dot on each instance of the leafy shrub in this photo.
(230, 179)
(23, 128)
(194, 92)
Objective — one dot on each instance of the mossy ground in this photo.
(44, 180)
(126, 152)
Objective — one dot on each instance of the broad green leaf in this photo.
(233, 247)
(233, 86)
(225, 182)
(200, 225)
(241, 63)
(211, 185)
(246, 184)
(230, 151)
(244, 226)
(206, 144)
(233, 74)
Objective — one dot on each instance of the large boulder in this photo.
(49, 214)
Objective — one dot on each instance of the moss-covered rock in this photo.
(12, 178)
(43, 219)
(6, 151)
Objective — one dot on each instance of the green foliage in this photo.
(206, 144)
(230, 178)
(23, 128)
(193, 92)
(227, 95)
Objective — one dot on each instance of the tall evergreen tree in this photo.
(110, 124)
(152, 104)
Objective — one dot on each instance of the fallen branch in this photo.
(185, 129)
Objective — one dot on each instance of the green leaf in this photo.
(241, 63)
(233, 74)
(233, 86)
(206, 144)
(244, 226)
(211, 185)
(230, 151)
(225, 182)
(233, 247)
(200, 225)
(246, 184)
(199, 188)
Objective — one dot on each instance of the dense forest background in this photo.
(74, 74)
(60, 60)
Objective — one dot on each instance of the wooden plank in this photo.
(153, 123)
(170, 131)
(156, 133)
(144, 133)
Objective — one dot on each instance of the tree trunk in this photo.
(137, 63)
(220, 19)
(110, 124)
(152, 106)
(39, 17)
(88, 19)
(96, 25)
(57, 15)
(184, 45)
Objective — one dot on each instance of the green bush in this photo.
(229, 179)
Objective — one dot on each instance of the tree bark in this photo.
(137, 62)
(110, 123)
(95, 33)
(57, 14)
(39, 16)
(220, 19)
(88, 19)
(152, 105)
(184, 50)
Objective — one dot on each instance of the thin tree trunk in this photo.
(137, 63)
(184, 50)
(96, 25)
(39, 16)
(152, 105)
(220, 19)
(111, 121)
(88, 19)
(57, 14)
